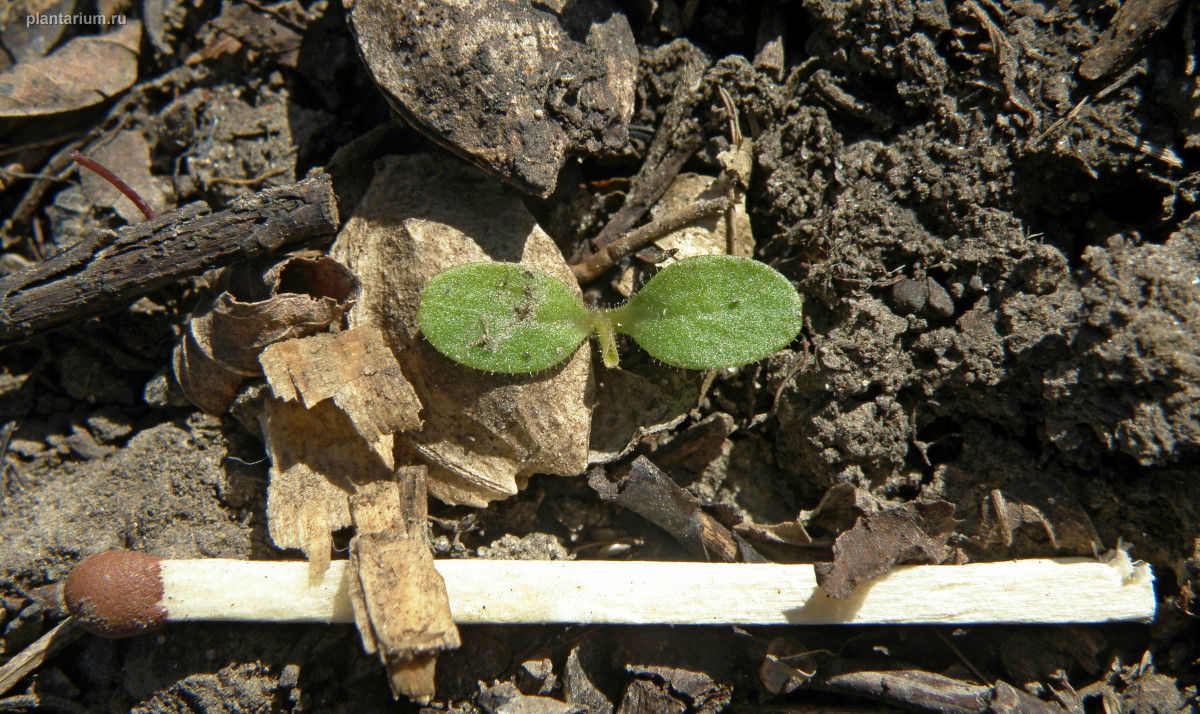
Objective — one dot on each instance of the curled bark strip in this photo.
(293, 298)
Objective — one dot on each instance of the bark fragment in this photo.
(400, 603)
(510, 87)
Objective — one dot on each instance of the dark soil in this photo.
(1000, 260)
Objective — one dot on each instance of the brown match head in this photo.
(116, 594)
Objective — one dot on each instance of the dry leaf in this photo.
(24, 42)
(484, 434)
(787, 666)
(630, 406)
(242, 28)
(915, 532)
(69, 78)
(646, 490)
(292, 298)
(1030, 513)
(842, 506)
(509, 87)
(329, 432)
(127, 156)
(400, 602)
(786, 533)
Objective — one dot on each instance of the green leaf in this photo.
(712, 311)
(502, 317)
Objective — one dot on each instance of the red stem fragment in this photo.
(112, 178)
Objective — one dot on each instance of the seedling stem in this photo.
(103, 172)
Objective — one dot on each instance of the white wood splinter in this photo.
(121, 593)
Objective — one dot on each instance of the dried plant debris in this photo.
(24, 42)
(789, 666)
(68, 79)
(697, 690)
(506, 698)
(107, 270)
(330, 431)
(791, 533)
(513, 87)
(1034, 512)
(484, 434)
(646, 490)
(248, 30)
(707, 236)
(1133, 25)
(1140, 687)
(400, 603)
(355, 369)
(261, 306)
(633, 402)
(914, 532)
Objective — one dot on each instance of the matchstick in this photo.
(121, 593)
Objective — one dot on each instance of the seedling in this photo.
(103, 172)
(704, 312)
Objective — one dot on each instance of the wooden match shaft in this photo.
(604, 592)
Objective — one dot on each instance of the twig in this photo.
(32, 657)
(26, 175)
(608, 255)
(665, 157)
(9, 150)
(109, 270)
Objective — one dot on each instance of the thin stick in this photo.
(600, 592)
(607, 256)
(32, 657)
(107, 271)
(109, 176)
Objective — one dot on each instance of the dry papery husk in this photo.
(484, 434)
(261, 305)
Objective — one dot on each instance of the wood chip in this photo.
(355, 369)
(399, 599)
(329, 432)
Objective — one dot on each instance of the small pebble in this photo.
(938, 301)
(909, 296)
